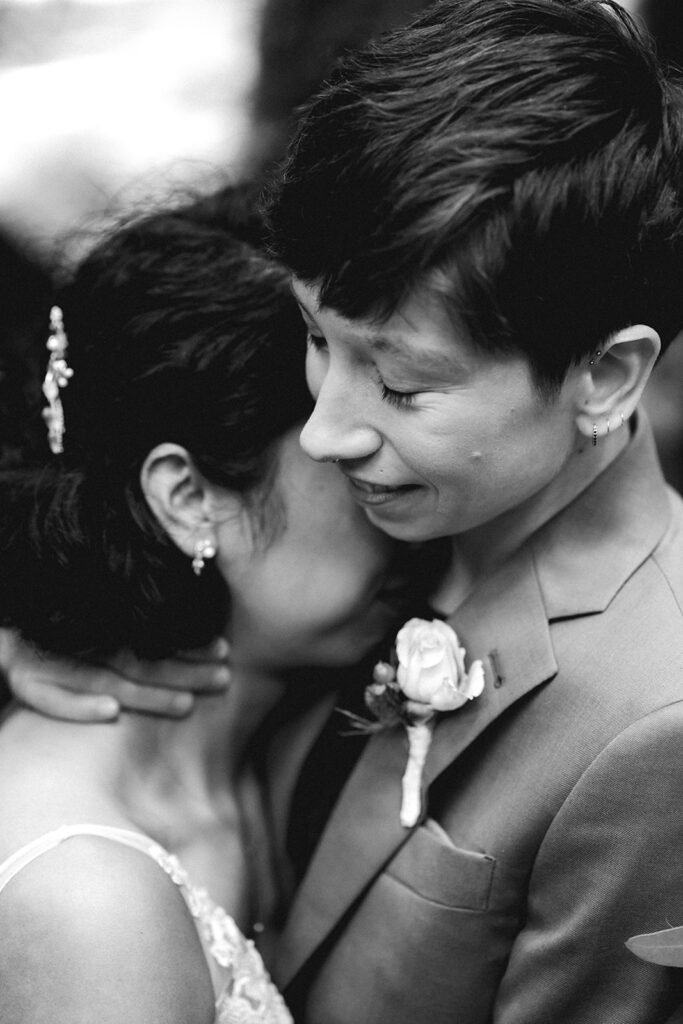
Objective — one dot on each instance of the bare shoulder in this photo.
(99, 933)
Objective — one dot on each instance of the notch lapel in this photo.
(363, 832)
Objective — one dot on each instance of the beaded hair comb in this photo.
(57, 376)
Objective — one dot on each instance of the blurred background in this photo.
(106, 104)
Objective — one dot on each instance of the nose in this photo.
(336, 429)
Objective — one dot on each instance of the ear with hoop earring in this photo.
(594, 434)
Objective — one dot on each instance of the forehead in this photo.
(421, 326)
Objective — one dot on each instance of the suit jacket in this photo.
(553, 822)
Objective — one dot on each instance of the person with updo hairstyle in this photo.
(174, 507)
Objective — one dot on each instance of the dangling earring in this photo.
(595, 434)
(203, 549)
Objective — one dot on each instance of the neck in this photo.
(482, 550)
(171, 777)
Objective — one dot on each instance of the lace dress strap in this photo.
(249, 997)
(31, 851)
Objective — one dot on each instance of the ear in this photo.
(179, 496)
(614, 378)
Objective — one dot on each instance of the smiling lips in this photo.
(376, 494)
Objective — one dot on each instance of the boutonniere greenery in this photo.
(426, 677)
(665, 947)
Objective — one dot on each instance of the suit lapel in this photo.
(363, 832)
(573, 566)
(516, 652)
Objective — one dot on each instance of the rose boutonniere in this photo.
(429, 677)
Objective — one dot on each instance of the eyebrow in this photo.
(430, 361)
(433, 362)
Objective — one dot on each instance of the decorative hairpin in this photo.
(57, 376)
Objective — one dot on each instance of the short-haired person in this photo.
(483, 217)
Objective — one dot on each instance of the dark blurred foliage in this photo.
(664, 396)
(299, 42)
(25, 291)
(664, 19)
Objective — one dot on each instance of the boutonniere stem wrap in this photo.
(430, 678)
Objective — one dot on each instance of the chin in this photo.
(409, 531)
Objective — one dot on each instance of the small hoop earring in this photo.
(203, 549)
(595, 435)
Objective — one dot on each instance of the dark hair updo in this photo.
(180, 330)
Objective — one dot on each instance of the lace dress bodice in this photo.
(248, 996)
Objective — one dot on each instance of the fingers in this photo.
(42, 695)
(94, 694)
(148, 697)
(188, 676)
(218, 650)
(44, 684)
(80, 692)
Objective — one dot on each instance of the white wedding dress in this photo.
(249, 997)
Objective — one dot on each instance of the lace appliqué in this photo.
(249, 996)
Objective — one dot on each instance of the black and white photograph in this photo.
(341, 512)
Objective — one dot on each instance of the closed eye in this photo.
(316, 341)
(400, 399)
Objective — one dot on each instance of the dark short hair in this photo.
(180, 330)
(522, 157)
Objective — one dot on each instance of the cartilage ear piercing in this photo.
(595, 434)
(592, 360)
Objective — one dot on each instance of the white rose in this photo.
(431, 667)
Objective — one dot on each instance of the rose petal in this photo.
(447, 697)
(475, 680)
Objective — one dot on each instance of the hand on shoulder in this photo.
(82, 692)
(99, 933)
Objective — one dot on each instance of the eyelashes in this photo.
(315, 341)
(399, 399)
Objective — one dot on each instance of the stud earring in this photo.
(203, 549)
(595, 434)
(592, 360)
(608, 424)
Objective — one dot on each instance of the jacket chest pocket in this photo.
(433, 867)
